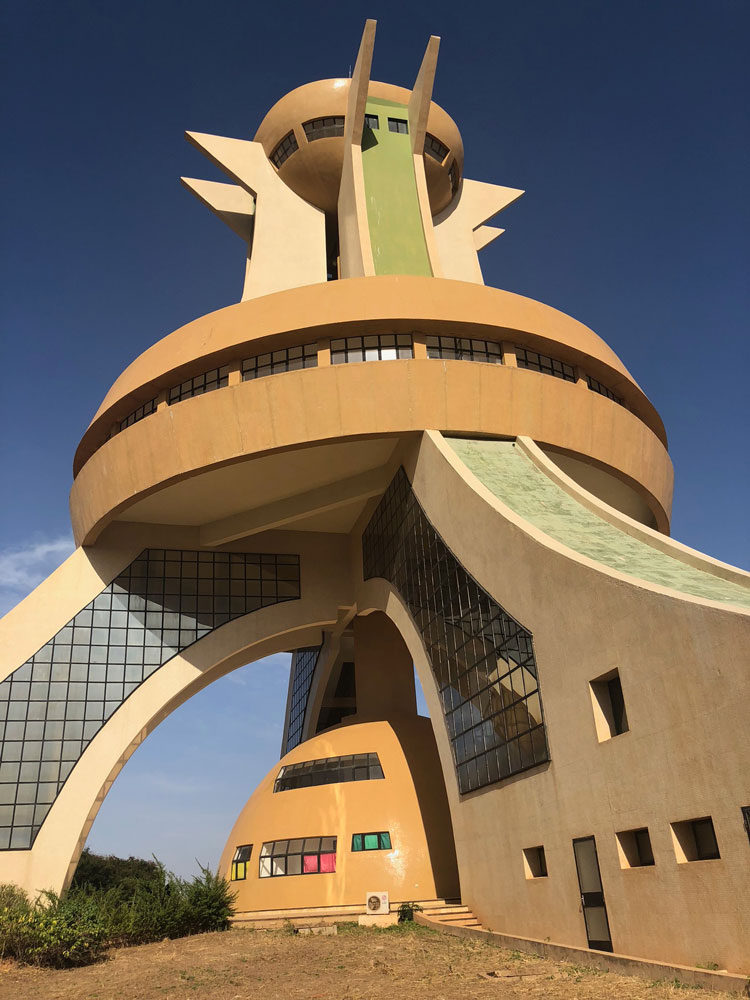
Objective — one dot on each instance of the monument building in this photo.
(382, 464)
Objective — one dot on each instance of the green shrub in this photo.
(109, 872)
(406, 912)
(40, 934)
(77, 928)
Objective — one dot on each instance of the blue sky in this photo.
(624, 120)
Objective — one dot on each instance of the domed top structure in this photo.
(303, 136)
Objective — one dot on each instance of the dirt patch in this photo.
(357, 964)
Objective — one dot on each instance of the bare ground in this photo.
(358, 964)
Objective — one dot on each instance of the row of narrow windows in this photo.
(332, 126)
(303, 855)
(329, 771)
(373, 347)
(692, 840)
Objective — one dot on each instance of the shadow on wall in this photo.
(420, 751)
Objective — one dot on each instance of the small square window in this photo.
(372, 121)
(534, 862)
(634, 848)
(399, 125)
(695, 840)
(610, 715)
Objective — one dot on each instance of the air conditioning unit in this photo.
(377, 902)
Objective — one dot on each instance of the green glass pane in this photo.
(357, 842)
(385, 841)
(371, 841)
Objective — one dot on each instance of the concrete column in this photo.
(509, 354)
(384, 669)
(235, 373)
(420, 347)
(324, 353)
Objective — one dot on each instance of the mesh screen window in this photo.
(303, 856)
(53, 705)
(547, 366)
(463, 349)
(289, 360)
(385, 347)
(482, 658)
(216, 378)
(329, 771)
(304, 669)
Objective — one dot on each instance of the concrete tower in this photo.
(379, 462)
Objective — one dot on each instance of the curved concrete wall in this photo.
(386, 304)
(375, 398)
(685, 686)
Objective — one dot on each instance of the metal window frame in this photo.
(272, 855)
(496, 731)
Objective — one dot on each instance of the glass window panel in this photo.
(371, 841)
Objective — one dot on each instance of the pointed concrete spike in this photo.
(484, 235)
(233, 204)
(235, 157)
(360, 81)
(421, 95)
(482, 201)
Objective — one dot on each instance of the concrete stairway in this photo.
(436, 909)
(453, 915)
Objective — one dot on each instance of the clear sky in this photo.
(624, 120)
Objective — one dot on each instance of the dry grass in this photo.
(358, 964)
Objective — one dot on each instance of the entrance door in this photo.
(592, 896)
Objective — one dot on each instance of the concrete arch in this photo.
(51, 861)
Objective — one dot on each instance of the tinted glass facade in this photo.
(329, 771)
(482, 658)
(55, 704)
(304, 669)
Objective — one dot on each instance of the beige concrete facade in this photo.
(407, 804)
(230, 522)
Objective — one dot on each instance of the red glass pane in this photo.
(310, 863)
(328, 862)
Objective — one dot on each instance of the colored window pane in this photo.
(310, 863)
(371, 841)
(357, 842)
(328, 862)
(385, 841)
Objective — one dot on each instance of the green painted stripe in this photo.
(395, 221)
(514, 479)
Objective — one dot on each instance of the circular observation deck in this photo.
(179, 436)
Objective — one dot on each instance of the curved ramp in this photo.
(509, 473)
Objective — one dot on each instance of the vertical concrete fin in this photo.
(421, 95)
(418, 113)
(354, 234)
